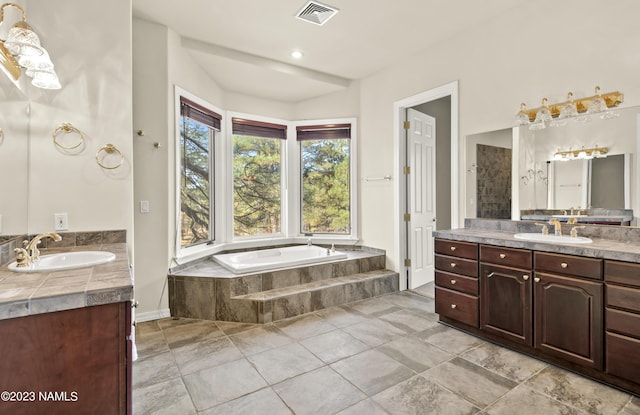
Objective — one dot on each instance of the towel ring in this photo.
(109, 149)
(67, 128)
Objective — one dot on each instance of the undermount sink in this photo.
(66, 260)
(557, 239)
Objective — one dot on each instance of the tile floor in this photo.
(386, 355)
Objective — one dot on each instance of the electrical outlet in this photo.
(61, 221)
(144, 206)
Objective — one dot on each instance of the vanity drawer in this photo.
(455, 248)
(457, 282)
(457, 306)
(623, 297)
(458, 265)
(623, 357)
(517, 258)
(622, 273)
(623, 322)
(568, 265)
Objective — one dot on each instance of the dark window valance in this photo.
(199, 113)
(251, 128)
(323, 132)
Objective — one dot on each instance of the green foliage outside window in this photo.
(195, 189)
(256, 185)
(325, 186)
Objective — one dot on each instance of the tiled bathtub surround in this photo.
(33, 293)
(205, 290)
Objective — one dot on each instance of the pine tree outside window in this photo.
(198, 127)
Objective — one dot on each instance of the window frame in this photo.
(353, 235)
(284, 194)
(216, 148)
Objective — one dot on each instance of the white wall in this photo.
(90, 44)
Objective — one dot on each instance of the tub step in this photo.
(281, 303)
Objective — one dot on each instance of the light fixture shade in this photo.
(23, 41)
(522, 117)
(34, 62)
(45, 80)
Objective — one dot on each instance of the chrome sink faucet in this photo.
(30, 253)
(308, 235)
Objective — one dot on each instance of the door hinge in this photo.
(407, 125)
(407, 262)
(407, 217)
(406, 169)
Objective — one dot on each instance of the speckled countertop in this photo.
(609, 242)
(23, 294)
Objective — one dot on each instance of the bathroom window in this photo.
(257, 177)
(198, 127)
(325, 166)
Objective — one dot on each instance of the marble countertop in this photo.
(621, 250)
(23, 294)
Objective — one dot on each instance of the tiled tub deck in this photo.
(205, 290)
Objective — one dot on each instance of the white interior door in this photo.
(421, 196)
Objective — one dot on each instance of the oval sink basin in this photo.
(557, 239)
(66, 260)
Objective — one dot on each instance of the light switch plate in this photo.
(144, 206)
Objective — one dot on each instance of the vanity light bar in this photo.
(582, 154)
(612, 99)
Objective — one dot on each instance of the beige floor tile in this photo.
(319, 392)
(265, 401)
(448, 339)
(513, 365)
(154, 369)
(206, 353)
(578, 391)
(366, 407)
(374, 332)
(525, 401)
(420, 396)
(372, 371)
(470, 381)
(260, 339)
(304, 326)
(334, 345)
(415, 354)
(284, 362)
(166, 398)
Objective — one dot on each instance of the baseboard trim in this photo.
(153, 315)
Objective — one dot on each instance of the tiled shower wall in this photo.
(493, 182)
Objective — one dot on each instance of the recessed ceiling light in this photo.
(296, 54)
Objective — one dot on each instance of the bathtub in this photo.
(268, 259)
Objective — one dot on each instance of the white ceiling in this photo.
(245, 45)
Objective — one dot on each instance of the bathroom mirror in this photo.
(14, 147)
(535, 148)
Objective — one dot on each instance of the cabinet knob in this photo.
(453, 282)
(525, 277)
(453, 248)
(536, 279)
(502, 256)
(453, 306)
(564, 265)
(453, 265)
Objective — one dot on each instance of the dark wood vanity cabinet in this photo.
(505, 292)
(622, 311)
(456, 281)
(68, 362)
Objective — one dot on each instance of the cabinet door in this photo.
(505, 303)
(568, 318)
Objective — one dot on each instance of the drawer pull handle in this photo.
(453, 265)
(503, 256)
(564, 265)
(525, 277)
(453, 306)
(453, 282)
(536, 279)
(490, 275)
(453, 248)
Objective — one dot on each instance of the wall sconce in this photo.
(581, 109)
(582, 154)
(22, 50)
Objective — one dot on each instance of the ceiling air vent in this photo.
(316, 13)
